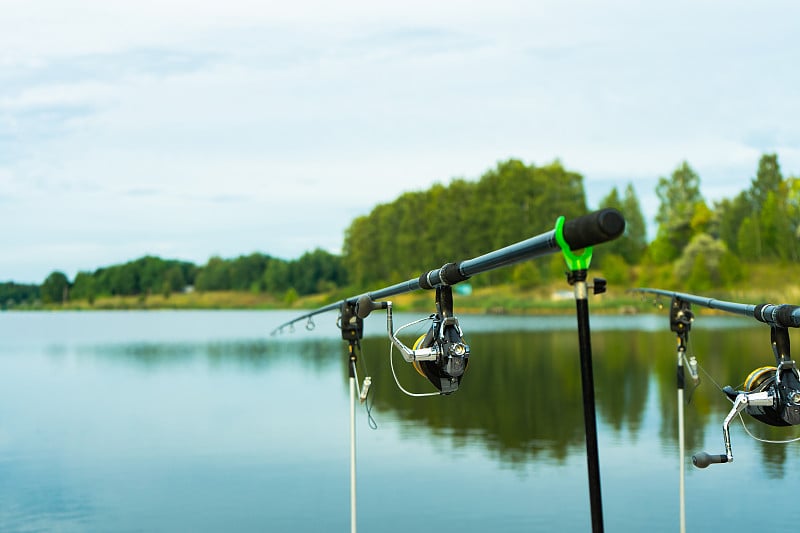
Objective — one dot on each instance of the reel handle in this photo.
(365, 305)
(703, 459)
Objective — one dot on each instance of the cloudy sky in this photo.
(185, 128)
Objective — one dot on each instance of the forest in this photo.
(697, 246)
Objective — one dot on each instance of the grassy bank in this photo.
(762, 283)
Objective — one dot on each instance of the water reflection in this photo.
(316, 355)
(521, 396)
(105, 417)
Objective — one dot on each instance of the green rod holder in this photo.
(574, 261)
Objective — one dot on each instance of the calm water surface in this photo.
(200, 421)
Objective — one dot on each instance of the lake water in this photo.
(200, 421)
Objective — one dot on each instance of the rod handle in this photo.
(365, 305)
(703, 459)
(595, 228)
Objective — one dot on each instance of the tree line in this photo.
(697, 246)
(313, 272)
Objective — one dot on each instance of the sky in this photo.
(188, 129)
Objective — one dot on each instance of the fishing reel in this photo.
(440, 355)
(771, 394)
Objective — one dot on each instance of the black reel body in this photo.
(440, 355)
(452, 358)
(783, 385)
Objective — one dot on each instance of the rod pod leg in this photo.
(578, 265)
(353, 400)
(578, 279)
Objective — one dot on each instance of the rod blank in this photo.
(594, 228)
(782, 315)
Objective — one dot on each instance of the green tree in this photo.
(635, 226)
(679, 197)
(706, 263)
(765, 208)
(83, 288)
(768, 180)
(632, 244)
(276, 276)
(746, 238)
(730, 215)
(314, 270)
(214, 276)
(527, 275)
(14, 294)
(248, 270)
(508, 203)
(55, 288)
(616, 270)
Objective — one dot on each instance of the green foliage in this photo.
(615, 269)
(763, 222)
(661, 250)
(84, 287)
(145, 275)
(527, 275)
(316, 270)
(730, 215)
(556, 267)
(768, 180)
(445, 223)
(696, 246)
(680, 197)
(632, 244)
(18, 294)
(706, 263)
(214, 276)
(290, 296)
(55, 288)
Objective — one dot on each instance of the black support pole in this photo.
(589, 411)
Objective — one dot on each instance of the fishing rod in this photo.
(442, 355)
(771, 394)
(582, 232)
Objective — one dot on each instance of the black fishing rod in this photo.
(782, 316)
(442, 355)
(771, 394)
(582, 232)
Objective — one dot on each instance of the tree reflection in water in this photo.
(521, 395)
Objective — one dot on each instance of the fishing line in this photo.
(391, 363)
(766, 441)
(701, 367)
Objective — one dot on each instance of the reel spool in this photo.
(763, 379)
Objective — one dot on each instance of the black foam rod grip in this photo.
(595, 228)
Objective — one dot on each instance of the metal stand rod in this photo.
(681, 443)
(353, 400)
(353, 454)
(589, 416)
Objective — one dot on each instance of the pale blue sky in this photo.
(187, 129)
